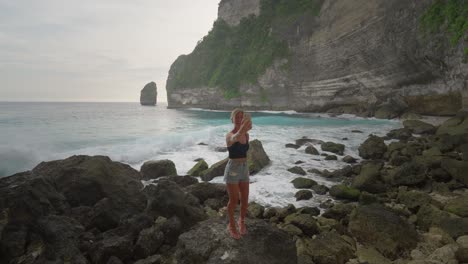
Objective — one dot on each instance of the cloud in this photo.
(103, 50)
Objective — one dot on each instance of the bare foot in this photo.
(232, 230)
(242, 227)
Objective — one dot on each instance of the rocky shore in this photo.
(406, 202)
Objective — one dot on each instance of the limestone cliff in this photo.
(353, 56)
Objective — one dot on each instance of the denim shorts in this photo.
(236, 171)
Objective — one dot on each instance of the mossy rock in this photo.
(297, 170)
(257, 158)
(333, 147)
(305, 222)
(157, 168)
(342, 191)
(458, 206)
(326, 248)
(457, 169)
(413, 199)
(454, 126)
(303, 183)
(369, 179)
(303, 195)
(419, 127)
(372, 148)
(215, 170)
(198, 169)
(311, 150)
(387, 232)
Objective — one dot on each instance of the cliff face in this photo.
(355, 56)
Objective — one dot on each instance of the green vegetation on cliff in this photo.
(229, 56)
(450, 16)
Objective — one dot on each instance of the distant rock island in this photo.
(149, 94)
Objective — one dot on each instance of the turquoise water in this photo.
(131, 133)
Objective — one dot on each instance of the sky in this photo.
(95, 50)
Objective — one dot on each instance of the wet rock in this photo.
(320, 189)
(215, 170)
(303, 195)
(409, 174)
(373, 148)
(297, 170)
(454, 126)
(303, 141)
(349, 159)
(333, 147)
(154, 169)
(257, 158)
(198, 169)
(331, 157)
(303, 183)
(311, 150)
(209, 242)
(294, 146)
(309, 210)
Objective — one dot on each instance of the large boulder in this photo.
(85, 180)
(419, 127)
(458, 206)
(148, 94)
(208, 242)
(257, 158)
(333, 147)
(325, 248)
(167, 199)
(409, 174)
(311, 150)
(198, 168)
(372, 148)
(154, 169)
(215, 170)
(457, 169)
(342, 191)
(374, 225)
(205, 190)
(303, 183)
(369, 179)
(454, 126)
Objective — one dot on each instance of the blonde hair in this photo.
(234, 113)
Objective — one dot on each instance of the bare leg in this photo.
(233, 191)
(244, 197)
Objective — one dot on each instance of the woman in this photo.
(236, 174)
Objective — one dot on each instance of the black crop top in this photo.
(238, 150)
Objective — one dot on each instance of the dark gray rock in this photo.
(257, 158)
(376, 226)
(373, 148)
(297, 170)
(215, 170)
(294, 146)
(326, 248)
(342, 191)
(419, 127)
(311, 150)
(303, 183)
(209, 242)
(148, 94)
(333, 147)
(198, 169)
(154, 169)
(303, 195)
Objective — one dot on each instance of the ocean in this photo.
(31, 132)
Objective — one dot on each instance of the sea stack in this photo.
(148, 94)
